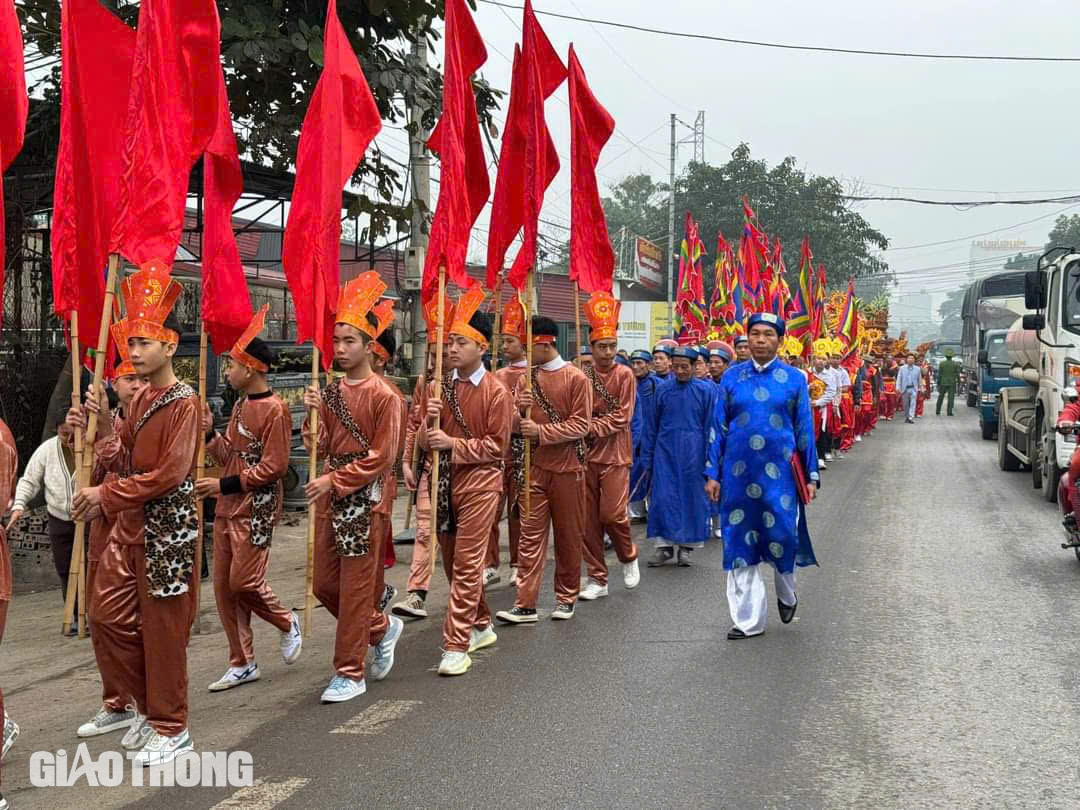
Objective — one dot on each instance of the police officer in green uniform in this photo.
(948, 375)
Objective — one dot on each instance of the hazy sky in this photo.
(938, 129)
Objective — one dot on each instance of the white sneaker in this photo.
(858, 438)
(631, 575)
(454, 663)
(828, 456)
(136, 735)
(592, 590)
(384, 650)
(160, 750)
(342, 689)
(235, 676)
(411, 605)
(106, 720)
(482, 638)
(11, 732)
(821, 465)
(491, 576)
(292, 642)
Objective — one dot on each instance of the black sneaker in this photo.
(518, 615)
(684, 558)
(1070, 521)
(389, 592)
(661, 556)
(563, 610)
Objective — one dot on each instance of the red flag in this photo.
(592, 259)
(13, 107)
(170, 119)
(690, 312)
(94, 84)
(463, 184)
(226, 304)
(340, 122)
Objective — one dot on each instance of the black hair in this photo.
(388, 341)
(542, 325)
(261, 351)
(481, 322)
(172, 323)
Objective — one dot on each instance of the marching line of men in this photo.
(705, 436)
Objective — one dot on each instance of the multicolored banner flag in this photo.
(817, 315)
(799, 316)
(690, 302)
(721, 307)
(847, 326)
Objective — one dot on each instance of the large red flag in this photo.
(226, 304)
(13, 108)
(508, 203)
(94, 84)
(463, 182)
(592, 259)
(170, 119)
(341, 121)
(543, 73)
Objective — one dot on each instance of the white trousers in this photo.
(748, 600)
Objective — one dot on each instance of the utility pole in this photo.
(671, 237)
(420, 176)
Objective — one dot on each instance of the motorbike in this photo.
(1067, 491)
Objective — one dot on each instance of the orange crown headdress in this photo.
(431, 316)
(253, 330)
(514, 319)
(466, 307)
(602, 310)
(384, 316)
(357, 298)
(149, 296)
(119, 331)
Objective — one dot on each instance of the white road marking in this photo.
(376, 717)
(263, 795)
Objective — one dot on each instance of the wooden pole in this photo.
(440, 331)
(528, 387)
(496, 335)
(313, 472)
(577, 327)
(200, 472)
(77, 567)
(91, 432)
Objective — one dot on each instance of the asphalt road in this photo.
(931, 664)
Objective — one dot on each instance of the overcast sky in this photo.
(938, 129)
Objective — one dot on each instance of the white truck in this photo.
(1044, 350)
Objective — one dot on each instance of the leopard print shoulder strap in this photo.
(449, 395)
(336, 404)
(177, 391)
(601, 389)
(553, 415)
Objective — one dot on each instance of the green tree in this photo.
(950, 311)
(272, 53)
(1022, 261)
(1065, 233)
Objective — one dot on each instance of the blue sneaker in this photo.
(342, 689)
(384, 650)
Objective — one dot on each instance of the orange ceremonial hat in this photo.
(602, 310)
(119, 331)
(149, 296)
(466, 307)
(253, 330)
(357, 298)
(514, 319)
(384, 316)
(431, 317)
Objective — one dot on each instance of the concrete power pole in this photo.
(420, 176)
(671, 237)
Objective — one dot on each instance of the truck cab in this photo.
(994, 364)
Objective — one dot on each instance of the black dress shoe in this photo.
(787, 612)
(735, 634)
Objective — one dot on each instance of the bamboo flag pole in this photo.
(577, 327)
(77, 567)
(496, 335)
(440, 330)
(91, 431)
(529, 292)
(313, 471)
(200, 472)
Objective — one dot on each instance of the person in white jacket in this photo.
(52, 468)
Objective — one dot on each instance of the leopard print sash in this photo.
(553, 415)
(351, 514)
(445, 520)
(264, 499)
(171, 522)
(606, 396)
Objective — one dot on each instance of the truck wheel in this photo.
(987, 429)
(1051, 473)
(1006, 460)
(972, 400)
(1035, 453)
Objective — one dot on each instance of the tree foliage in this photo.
(272, 53)
(1065, 233)
(788, 203)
